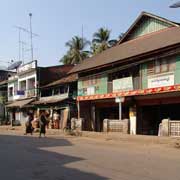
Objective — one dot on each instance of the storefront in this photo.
(152, 109)
(18, 111)
(58, 109)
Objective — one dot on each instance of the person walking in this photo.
(29, 128)
(42, 123)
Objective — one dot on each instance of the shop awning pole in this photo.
(120, 111)
(78, 106)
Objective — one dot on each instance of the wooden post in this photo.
(78, 106)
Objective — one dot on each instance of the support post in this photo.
(78, 107)
(120, 111)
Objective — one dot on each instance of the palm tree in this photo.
(101, 40)
(76, 52)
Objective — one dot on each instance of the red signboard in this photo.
(131, 93)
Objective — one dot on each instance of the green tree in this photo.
(101, 41)
(76, 52)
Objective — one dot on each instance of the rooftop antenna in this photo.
(23, 49)
(30, 20)
(21, 43)
(82, 31)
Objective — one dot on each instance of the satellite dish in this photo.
(15, 65)
(175, 5)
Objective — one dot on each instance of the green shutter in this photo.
(177, 71)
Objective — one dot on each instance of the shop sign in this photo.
(26, 67)
(91, 90)
(119, 99)
(122, 84)
(20, 92)
(161, 81)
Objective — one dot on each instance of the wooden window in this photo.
(157, 66)
(150, 68)
(172, 65)
(164, 65)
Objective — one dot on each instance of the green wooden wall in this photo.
(149, 25)
(144, 75)
(177, 71)
(100, 87)
(143, 70)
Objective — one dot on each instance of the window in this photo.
(157, 66)
(56, 91)
(10, 91)
(161, 66)
(164, 65)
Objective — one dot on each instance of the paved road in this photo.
(52, 158)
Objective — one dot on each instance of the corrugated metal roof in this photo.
(20, 103)
(67, 79)
(133, 48)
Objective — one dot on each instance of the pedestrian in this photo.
(42, 123)
(29, 128)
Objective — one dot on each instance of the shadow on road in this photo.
(22, 159)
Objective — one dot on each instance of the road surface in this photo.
(71, 158)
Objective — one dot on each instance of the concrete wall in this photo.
(114, 125)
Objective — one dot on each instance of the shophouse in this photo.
(142, 71)
(59, 99)
(23, 87)
(4, 75)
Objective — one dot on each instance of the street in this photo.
(67, 158)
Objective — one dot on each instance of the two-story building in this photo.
(142, 70)
(4, 75)
(59, 99)
(23, 87)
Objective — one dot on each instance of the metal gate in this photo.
(174, 128)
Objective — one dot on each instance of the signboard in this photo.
(119, 99)
(26, 67)
(91, 90)
(21, 93)
(161, 81)
(122, 84)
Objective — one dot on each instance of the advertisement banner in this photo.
(161, 81)
(122, 84)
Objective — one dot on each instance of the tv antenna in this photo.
(22, 29)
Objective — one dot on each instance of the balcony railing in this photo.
(21, 94)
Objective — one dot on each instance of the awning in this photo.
(50, 100)
(20, 104)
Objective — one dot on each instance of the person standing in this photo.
(42, 123)
(29, 128)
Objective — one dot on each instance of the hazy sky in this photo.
(56, 21)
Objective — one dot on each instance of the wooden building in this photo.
(58, 98)
(144, 68)
(23, 87)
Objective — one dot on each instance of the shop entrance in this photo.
(149, 117)
(105, 113)
(109, 113)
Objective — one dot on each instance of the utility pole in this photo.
(30, 18)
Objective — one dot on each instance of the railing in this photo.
(21, 94)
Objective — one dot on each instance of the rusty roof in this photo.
(20, 103)
(132, 48)
(50, 99)
(68, 79)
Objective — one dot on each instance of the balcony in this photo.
(22, 94)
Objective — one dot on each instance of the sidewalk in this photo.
(110, 137)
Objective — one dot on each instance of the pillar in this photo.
(133, 120)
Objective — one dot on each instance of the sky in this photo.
(57, 21)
